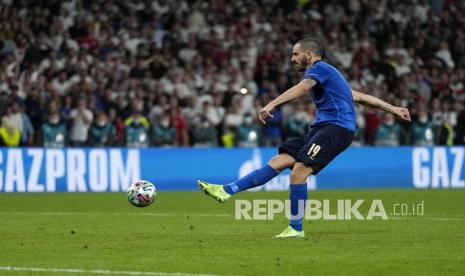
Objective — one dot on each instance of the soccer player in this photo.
(331, 132)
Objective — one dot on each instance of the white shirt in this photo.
(79, 127)
(61, 87)
(17, 120)
(233, 119)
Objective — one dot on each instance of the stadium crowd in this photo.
(195, 73)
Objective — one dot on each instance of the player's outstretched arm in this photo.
(369, 100)
(294, 92)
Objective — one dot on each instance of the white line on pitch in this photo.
(95, 271)
(112, 213)
(190, 215)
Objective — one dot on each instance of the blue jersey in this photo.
(332, 96)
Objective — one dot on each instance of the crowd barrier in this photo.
(113, 169)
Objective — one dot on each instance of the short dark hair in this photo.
(311, 44)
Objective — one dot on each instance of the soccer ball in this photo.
(142, 193)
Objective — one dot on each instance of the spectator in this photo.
(234, 117)
(388, 133)
(62, 84)
(298, 123)
(138, 118)
(220, 112)
(228, 137)
(118, 124)
(53, 133)
(20, 119)
(204, 134)
(102, 132)
(423, 133)
(272, 130)
(4, 102)
(179, 122)
(444, 55)
(27, 136)
(460, 128)
(248, 134)
(52, 57)
(164, 133)
(81, 120)
(445, 132)
(9, 133)
(373, 119)
(136, 131)
(138, 71)
(14, 116)
(436, 113)
(35, 107)
(359, 138)
(66, 109)
(212, 114)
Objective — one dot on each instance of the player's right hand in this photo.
(402, 113)
(265, 113)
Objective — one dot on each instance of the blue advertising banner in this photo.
(113, 169)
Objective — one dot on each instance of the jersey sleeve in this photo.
(316, 73)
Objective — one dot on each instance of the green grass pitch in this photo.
(187, 232)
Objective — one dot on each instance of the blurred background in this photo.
(195, 73)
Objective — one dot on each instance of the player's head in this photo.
(305, 51)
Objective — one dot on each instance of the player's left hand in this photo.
(402, 113)
(265, 113)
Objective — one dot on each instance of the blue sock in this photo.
(298, 193)
(253, 179)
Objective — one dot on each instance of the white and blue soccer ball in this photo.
(142, 193)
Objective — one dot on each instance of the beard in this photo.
(301, 65)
